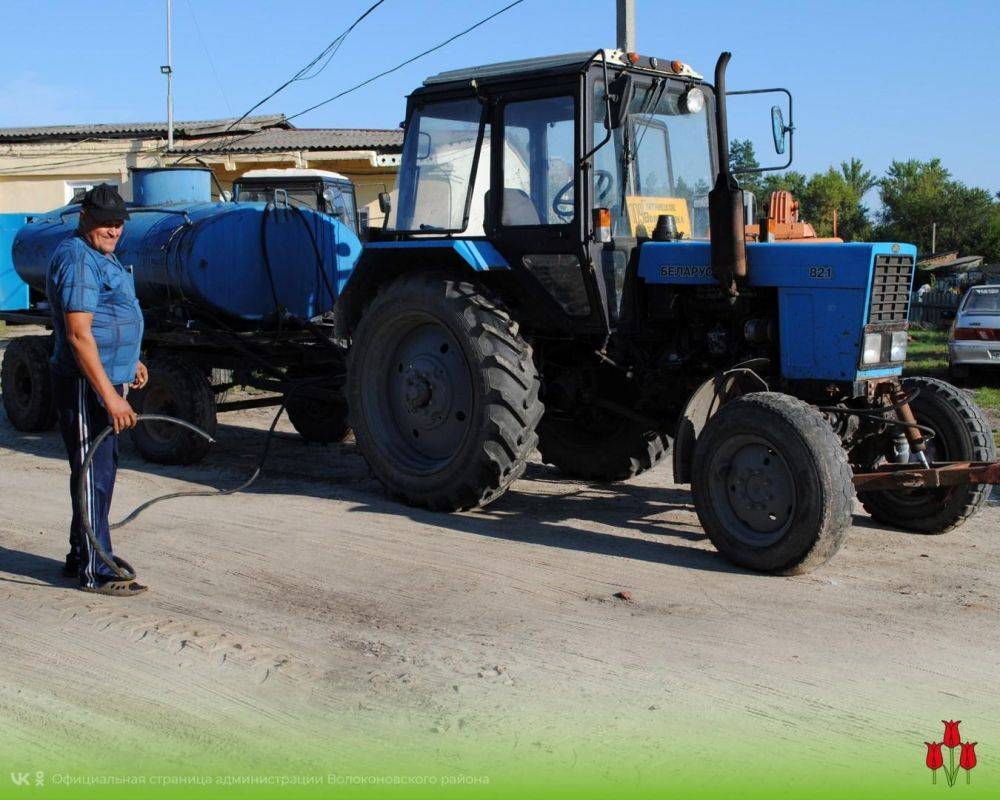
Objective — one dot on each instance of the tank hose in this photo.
(120, 566)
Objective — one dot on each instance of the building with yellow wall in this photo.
(42, 168)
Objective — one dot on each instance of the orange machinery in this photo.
(783, 223)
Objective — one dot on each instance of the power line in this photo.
(449, 40)
(408, 61)
(327, 52)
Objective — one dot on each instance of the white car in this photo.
(974, 340)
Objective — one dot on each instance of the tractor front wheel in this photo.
(442, 392)
(772, 485)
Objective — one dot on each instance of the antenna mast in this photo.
(168, 70)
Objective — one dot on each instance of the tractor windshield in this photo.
(659, 162)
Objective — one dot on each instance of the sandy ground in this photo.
(314, 597)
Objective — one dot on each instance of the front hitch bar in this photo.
(891, 477)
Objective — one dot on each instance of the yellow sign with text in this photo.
(644, 211)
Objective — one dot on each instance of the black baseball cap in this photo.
(104, 204)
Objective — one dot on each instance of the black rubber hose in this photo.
(120, 566)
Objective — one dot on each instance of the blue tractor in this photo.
(565, 267)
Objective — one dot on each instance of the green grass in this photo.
(927, 354)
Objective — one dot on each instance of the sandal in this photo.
(116, 588)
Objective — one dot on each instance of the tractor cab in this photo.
(560, 166)
(320, 190)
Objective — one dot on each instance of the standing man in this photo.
(98, 333)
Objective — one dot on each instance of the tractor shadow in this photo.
(643, 523)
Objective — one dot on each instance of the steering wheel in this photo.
(564, 204)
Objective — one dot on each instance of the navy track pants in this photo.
(82, 417)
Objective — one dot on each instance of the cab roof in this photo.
(566, 62)
(293, 172)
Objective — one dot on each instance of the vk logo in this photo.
(21, 778)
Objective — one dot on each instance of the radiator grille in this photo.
(890, 290)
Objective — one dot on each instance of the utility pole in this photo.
(168, 70)
(933, 238)
(626, 25)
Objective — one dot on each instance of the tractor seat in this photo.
(517, 208)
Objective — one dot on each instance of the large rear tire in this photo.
(176, 388)
(26, 384)
(442, 392)
(772, 485)
(962, 433)
(621, 450)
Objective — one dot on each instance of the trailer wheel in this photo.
(179, 389)
(26, 384)
(618, 451)
(772, 485)
(219, 376)
(443, 393)
(962, 433)
(315, 420)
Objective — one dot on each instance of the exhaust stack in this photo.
(725, 201)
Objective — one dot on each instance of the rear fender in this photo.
(706, 401)
(383, 262)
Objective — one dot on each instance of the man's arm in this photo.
(81, 339)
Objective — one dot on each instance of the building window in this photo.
(75, 190)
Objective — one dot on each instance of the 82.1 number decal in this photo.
(821, 273)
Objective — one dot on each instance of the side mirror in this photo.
(782, 132)
(385, 202)
(778, 129)
(227, 196)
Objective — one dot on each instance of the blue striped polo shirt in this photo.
(81, 278)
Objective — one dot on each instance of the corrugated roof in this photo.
(280, 140)
(116, 130)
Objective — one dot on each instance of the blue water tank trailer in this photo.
(241, 262)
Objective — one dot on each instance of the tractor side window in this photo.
(539, 162)
(436, 175)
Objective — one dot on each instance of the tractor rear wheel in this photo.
(442, 392)
(772, 485)
(176, 388)
(26, 384)
(618, 450)
(961, 433)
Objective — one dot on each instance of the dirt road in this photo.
(314, 609)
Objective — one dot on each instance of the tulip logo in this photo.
(952, 739)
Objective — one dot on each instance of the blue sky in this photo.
(877, 80)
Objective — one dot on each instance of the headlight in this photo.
(693, 100)
(898, 350)
(873, 349)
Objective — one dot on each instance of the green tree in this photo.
(857, 177)
(839, 192)
(742, 156)
(791, 181)
(917, 194)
